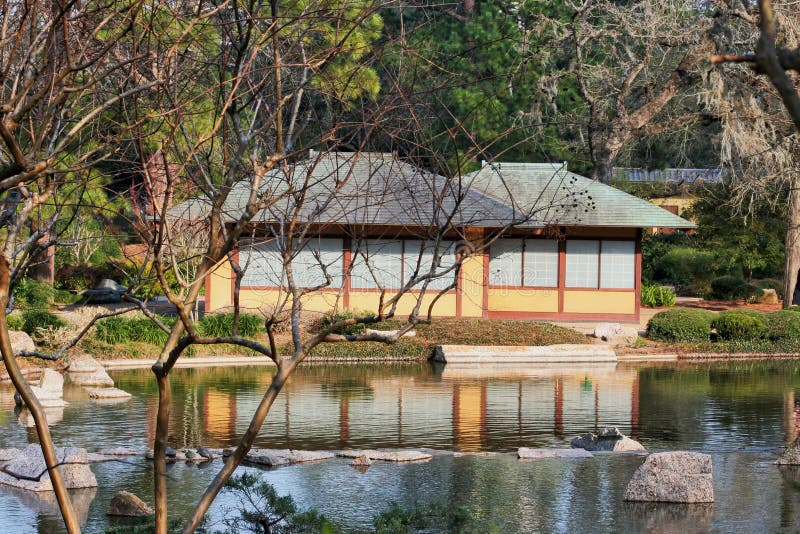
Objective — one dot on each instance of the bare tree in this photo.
(59, 77)
(761, 136)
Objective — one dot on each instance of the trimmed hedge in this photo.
(783, 324)
(655, 296)
(740, 325)
(682, 324)
(733, 288)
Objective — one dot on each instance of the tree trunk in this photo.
(792, 271)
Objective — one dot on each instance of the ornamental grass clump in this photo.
(740, 325)
(126, 329)
(221, 325)
(682, 324)
(655, 296)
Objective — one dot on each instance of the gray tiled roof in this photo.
(551, 195)
(375, 188)
(368, 188)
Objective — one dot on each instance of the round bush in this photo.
(740, 325)
(783, 324)
(681, 324)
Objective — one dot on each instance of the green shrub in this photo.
(14, 322)
(29, 293)
(331, 318)
(681, 324)
(655, 296)
(124, 329)
(221, 324)
(733, 288)
(783, 324)
(740, 325)
(33, 319)
(688, 269)
(795, 309)
(770, 283)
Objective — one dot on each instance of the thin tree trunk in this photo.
(792, 270)
(242, 449)
(30, 400)
(160, 452)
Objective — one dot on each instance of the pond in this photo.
(739, 412)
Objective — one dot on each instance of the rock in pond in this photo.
(683, 477)
(387, 456)
(279, 457)
(606, 439)
(107, 393)
(127, 504)
(361, 461)
(98, 378)
(525, 453)
(791, 456)
(49, 391)
(27, 469)
(83, 363)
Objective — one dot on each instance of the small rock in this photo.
(684, 477)
(107, 393)
(525, 453)
(28, 464)
(370, 331)
(205, 453)
(361, 461)
(616, 334)
(607, 439)
(21, 341)
(128, 504)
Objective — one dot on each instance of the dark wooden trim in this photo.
(602, 289)
(529, 288)
(485, 309)
(347, 261)
(562, 272)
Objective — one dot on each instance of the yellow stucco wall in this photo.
(523, 300)
(218, 288)
(368, 301)
(599, 302)
(472, 286)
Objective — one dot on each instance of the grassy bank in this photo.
(419, 347)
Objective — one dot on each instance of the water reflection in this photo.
(718, 407)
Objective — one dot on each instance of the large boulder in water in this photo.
(791, 456)
(27, 469)
(606, 439)
(127, 504)
(679, 476)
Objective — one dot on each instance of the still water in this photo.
(738, 412)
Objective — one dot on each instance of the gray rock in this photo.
(7, 454)
(21, 341)
(607, 439)
(279, 457)
(51, 384)
(118, 451)
(361, 461)
(128, 504)
(105, 292)
(684, 477)
(791, 456)
(107, 393)
(525, 453)
(27, 469)
(96, 378)
(83, 363)
(616, 334)
(388, 456)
